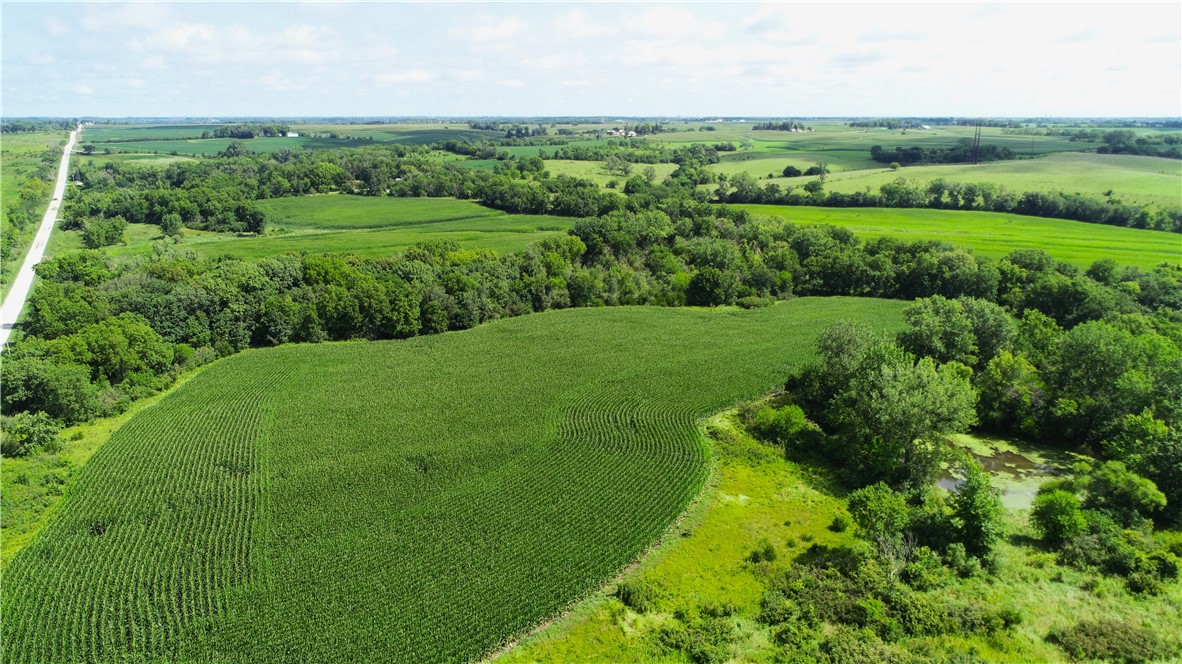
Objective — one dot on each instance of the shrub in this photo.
(708, 640)
(926, 571)
(1102, 545)
(960, 561)
(776, 425)
(637, 595)
(27, 433)
(776, 609)
(922, 615)
(879, 511)
(1124, 495)
(755, 302)
(1057, 516)
(796, 636)
(764, 553)
(847, 646)
(1109, 639)
(841, 523)
(978, 511)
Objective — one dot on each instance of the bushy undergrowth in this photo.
(1111, 640)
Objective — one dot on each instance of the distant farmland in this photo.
(361, 225)
(409, 501)
(995, 234)
(1132, 179)
(186, 139)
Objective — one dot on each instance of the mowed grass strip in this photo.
(407, 501)
(334, 211)
(995, 234)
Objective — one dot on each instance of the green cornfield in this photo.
(417, 501)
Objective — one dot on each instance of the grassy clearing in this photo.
(755, 496)
(141, 159)
(995, 234)
(333, 211)
(1132, 179)
(502, 233)
(449, 490)
(337, 224)
(593, 171)
(20, 159)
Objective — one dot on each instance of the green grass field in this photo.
(339, 224)
(142, 132)
(20, 159)
(407, 501)
(212, 146)
(184, 139)
(334, 211)
(1132, 179)
(593, 171)
(137, 158)
(994, 234)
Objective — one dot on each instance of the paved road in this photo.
(15, 301)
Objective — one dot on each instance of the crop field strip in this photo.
(421, 500)
(995, 234)
(137, 571)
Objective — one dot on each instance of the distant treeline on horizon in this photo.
(39, 123)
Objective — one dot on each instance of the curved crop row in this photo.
(415, 501)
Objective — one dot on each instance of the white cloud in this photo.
(889, 36)
(412, 76)
(490, 32)
(239, 44)
(82, 89)
(674, 21)
(56, 28)
(576, 24)
(135, 83)
(115, 17)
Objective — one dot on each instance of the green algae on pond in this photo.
(1016, 467)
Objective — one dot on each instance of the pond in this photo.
(1017, 467)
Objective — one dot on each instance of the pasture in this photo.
(144, 132)
(593, 171)
(137, 158)
(335, 211)
(185, 139)
(409, 501)
(340, 224)
(995, 234)
(1132, 179)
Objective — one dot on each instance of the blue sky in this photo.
(758, 59)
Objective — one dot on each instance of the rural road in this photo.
(24, 279)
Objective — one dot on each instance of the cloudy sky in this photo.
(758, 59)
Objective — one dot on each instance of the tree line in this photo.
(942, 194)
(960, 153)
(98, 335)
